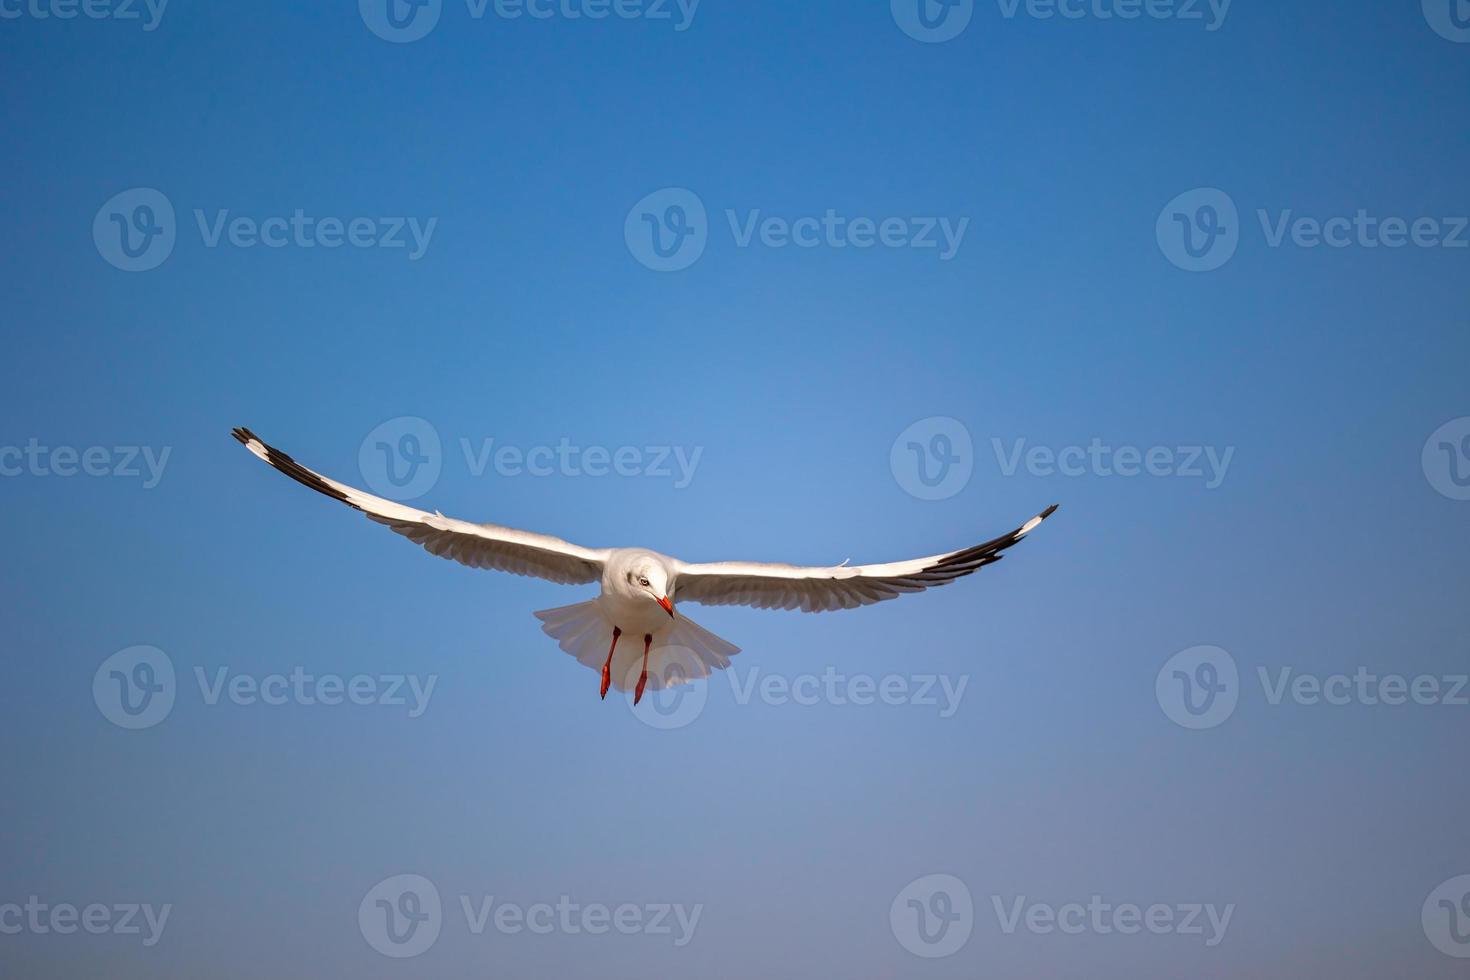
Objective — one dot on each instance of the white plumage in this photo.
(640, 587)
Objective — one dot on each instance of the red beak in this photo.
(668, 606)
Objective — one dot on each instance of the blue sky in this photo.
(1056, 336)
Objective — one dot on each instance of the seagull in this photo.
(640, 587)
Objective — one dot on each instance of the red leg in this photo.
(607, 664)
(643, 677)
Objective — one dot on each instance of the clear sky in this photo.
(758, 252)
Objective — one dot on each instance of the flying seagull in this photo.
(640, 587)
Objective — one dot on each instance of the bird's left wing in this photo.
(477, 545)
(819, 589)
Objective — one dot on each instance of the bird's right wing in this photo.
(477, 545)
(819, 589)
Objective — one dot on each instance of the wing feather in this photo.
(476, 545)
(766, 585)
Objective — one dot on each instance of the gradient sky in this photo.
(1327, 547)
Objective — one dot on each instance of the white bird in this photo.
(640, 587)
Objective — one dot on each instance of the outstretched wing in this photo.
(477, 545)
(772, 586)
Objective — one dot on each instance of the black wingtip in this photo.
(1048, 512)
(290, 467)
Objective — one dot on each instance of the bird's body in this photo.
(631, 632)
(624, 602)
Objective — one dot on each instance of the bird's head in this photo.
(651, 579)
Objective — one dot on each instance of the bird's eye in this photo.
(643, 582)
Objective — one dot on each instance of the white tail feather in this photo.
(684, 651)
